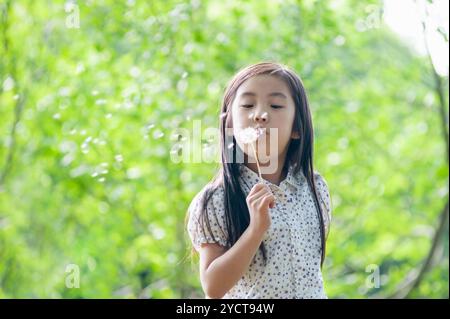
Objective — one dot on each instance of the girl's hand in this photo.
(259, 200)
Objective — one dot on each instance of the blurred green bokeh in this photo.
(88, 114)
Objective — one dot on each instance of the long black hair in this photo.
(299, 155)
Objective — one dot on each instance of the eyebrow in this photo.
(276, 94)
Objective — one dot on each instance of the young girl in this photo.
(263, 236)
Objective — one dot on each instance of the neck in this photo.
(275, 178)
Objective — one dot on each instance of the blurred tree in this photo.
(89, 116)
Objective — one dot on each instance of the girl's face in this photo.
(265, 101)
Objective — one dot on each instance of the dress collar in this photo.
(294, 180)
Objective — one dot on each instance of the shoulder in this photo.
(324, 198)
(210, 197)
(320, 180)
(206, 221)
(322, 187)
(208, 192)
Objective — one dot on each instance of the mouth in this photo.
(262, 131)
(250, 134)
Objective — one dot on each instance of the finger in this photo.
(267, 200)
(254, 197)
(257, 187)
(260, 193)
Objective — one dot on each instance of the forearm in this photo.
(225, 271)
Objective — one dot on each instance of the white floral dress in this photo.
(292, 241)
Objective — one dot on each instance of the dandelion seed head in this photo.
(250, 135)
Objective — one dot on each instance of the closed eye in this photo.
(247, 106)
(276, 106)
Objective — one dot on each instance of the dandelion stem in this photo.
(257, 161)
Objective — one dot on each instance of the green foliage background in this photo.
(86, 122)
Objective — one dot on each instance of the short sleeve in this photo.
(197, 228)
(324, 199)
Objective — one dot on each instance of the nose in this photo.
(261, 117)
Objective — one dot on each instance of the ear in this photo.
(295, 135)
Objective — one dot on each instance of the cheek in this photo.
(239, 120)
(284, 125)
(283, 139)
